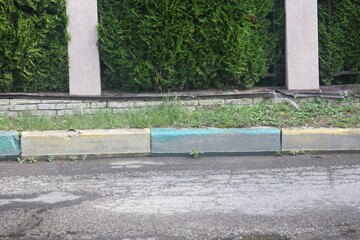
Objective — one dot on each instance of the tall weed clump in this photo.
(164, 45)
(33, 46)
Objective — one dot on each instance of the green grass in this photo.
(170, 114)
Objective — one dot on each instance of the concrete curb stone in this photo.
(321, 139)
(215, 141)
(9, 145)
(87, 143)
(112, 143)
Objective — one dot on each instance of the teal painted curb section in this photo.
(9, 145)
(215, 141)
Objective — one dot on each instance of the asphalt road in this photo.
(301, 197)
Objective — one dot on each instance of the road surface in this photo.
(300, 197)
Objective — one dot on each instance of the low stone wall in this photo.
(41, 107)
(46, 107)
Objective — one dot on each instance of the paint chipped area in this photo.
(9, 143)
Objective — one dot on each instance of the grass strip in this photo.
(171, 114)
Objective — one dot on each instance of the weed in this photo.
(20, 160)
(50, 159)
(32, 159)
(73, 158)
(341, 125)
(171, 114)
(296, 152)
(195, 153)
(278, 153)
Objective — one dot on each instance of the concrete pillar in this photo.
(83, 50)
(302, 57)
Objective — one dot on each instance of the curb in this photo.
(9, 145)
(321, 139)
(215, 141)
(86, 143)
(112, 143)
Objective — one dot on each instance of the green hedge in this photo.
(33, 46)
(164, 45)
(339, 40)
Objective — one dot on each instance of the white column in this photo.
(83, 50)
(302, 57)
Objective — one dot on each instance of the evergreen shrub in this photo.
(33, 46)
(164, 45)
(339, 40)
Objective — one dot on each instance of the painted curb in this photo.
(89, 143)
(321, 139)
(9, 145)
(215, 141)
(170, 141)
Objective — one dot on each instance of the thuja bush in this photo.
(339, 39)
(33, 46)
(164, 45)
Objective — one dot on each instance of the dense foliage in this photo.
(166, 45)
(339, 39)
(33, 46)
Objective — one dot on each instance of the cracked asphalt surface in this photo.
(304, 197)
